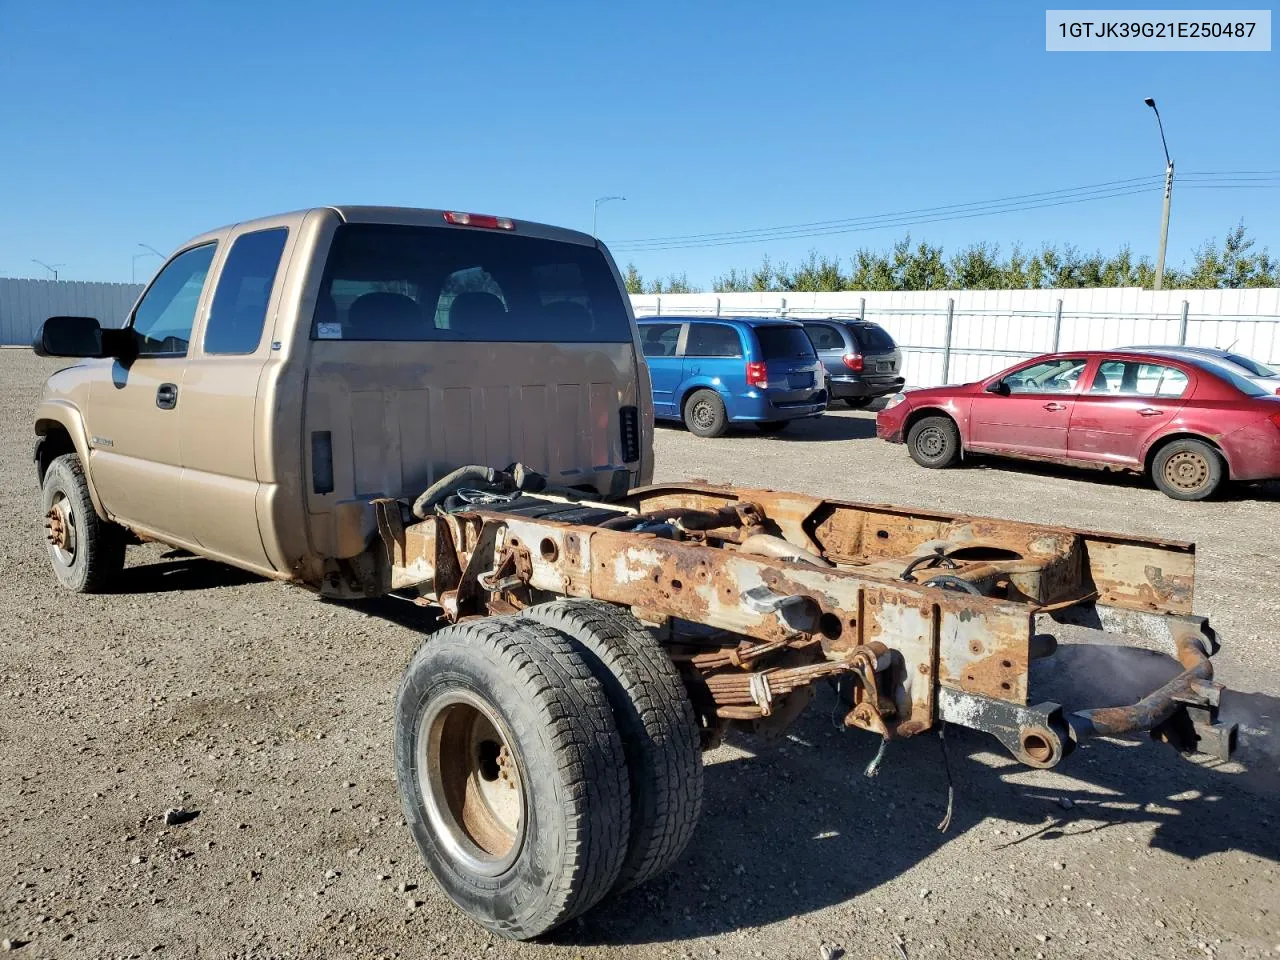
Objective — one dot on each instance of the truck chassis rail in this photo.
(757, 595)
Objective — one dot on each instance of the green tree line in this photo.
(1231, 264)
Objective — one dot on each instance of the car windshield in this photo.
(783, 342)
(1253, 366)
(1245, 386)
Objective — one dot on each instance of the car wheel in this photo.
(659, 729)
(704, 414)
(772, 426)
(1188, 470)
(934, 442)
(87, 552)
(857, 403)
(511, 774)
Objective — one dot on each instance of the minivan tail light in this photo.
(853, 361)
(757, 375)
(478, 220)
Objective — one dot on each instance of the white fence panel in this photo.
(991, 329)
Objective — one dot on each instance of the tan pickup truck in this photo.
(453, 409)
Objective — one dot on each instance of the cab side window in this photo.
(163, 320)
(712, 340)
(239, 310)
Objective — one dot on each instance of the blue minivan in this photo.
(710, 372)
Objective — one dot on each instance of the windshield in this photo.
(443, 283)
(784, 342)
(1253, 366)
(1247, 387)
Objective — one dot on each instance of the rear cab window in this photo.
(779, 342)
(406, 283)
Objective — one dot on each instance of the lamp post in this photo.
(148, 251)
(1168, 195)
(52, 268)
(595, 213)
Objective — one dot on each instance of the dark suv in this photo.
(861, 359)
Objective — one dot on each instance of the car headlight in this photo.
(896, 399)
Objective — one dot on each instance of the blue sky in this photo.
(128, 122)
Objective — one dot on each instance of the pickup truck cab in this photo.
(279, 375)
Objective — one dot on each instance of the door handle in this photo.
(167, 396)
(1055, 406)
(1150, 412)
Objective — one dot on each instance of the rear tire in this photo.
(655, 718)
(772, 426)
(86, 552)
(704, 414)
(1188, 470)
(857, 403)
(934, 442)
(511, 774)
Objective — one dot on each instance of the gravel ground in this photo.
(267, 713)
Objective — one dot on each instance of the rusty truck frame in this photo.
(757, 595)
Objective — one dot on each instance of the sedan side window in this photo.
(163, 320)
(659, 339)
(1128, 378)
(712, 340)
(1051, 376)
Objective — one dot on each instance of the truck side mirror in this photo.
(69, 337)
(998, 386)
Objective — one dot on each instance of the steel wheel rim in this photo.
(1186, 470)
(704, 415)
(931, 443)
(61, 525)
(471, 784)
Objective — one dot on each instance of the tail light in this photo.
(629, 424)
(853, 361)
(1275, 418)
(757, 376)
(478, 220)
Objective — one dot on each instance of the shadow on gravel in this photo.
(183, 573)
(816, 429)
(798, 827)
(1266, 490)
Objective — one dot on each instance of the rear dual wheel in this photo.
(545, 760)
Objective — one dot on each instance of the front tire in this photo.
(1188, 470)
(511, 774)
(934, 442)
(86, 552)
(655, 718)
(704, 414)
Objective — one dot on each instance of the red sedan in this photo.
(1189, 425)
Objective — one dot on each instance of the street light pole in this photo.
(1168, 196)
(595, 213)
(52, 268)
(150, 252)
